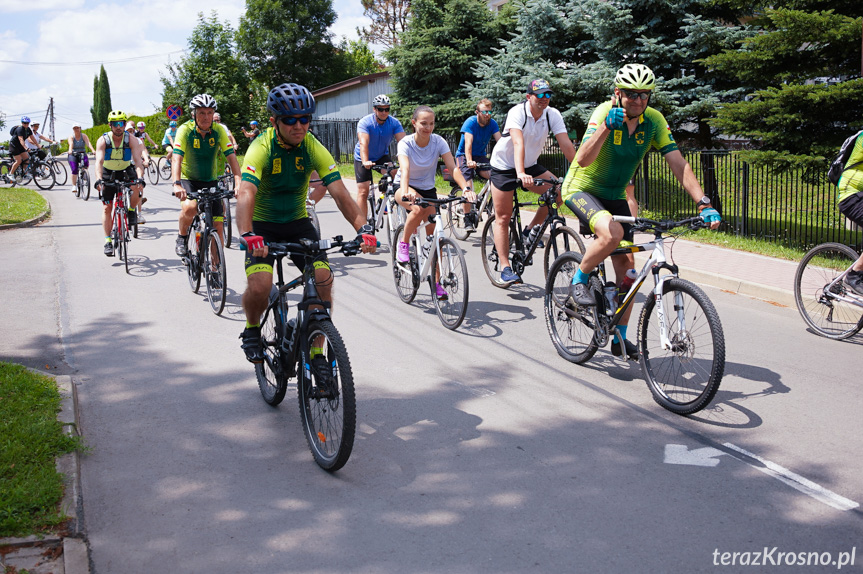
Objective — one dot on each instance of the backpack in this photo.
(837, 166)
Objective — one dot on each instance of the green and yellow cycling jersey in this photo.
(201, 152)
(851, 181)
(282, 175)
(620, 155)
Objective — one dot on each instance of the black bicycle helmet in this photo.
(290, 100)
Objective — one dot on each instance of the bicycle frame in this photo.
(851, 298)
(552, 220)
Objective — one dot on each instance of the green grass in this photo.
(30, 440)
(19, 204)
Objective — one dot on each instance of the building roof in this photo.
(370, 79)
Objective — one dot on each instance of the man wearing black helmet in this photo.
(271, 204)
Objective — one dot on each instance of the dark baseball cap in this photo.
(539, 87)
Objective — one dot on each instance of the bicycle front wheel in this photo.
(152, 172)
(571, 327)
(313, 216)
(684, 375)
(79, 187)
(84, 183)
(215, 272)
(227, 230)
(193, 256)
(405, 275)
(164, 164)
(560, 240)
(455, 217)
(451, 308)
(272, 373)
(491, 261)
(825, 303)
(61, 174)
(44, 176)
(328, 407)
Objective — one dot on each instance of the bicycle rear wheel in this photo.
(491, 262)
(405, 275)
(572, 328)
(61, 174)
(313, 216)
(84, 183)
(123, 240)
(193, 267)
(215, 272)
(164, 164)
(272, 373)
(453, 278)
(820, 304)
(328, 406)
(152, 172)
(227, 230)
(560, 240)
(685, 377)
(44, 177)
(455, 217)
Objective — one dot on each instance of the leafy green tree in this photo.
(437, 55)
(212, 66)
(101, 98)
(288, 41)
(358, 58)
(803, 60)
(389, 19)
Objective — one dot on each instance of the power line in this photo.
(90, 63)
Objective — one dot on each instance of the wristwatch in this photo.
(703, 202)
(178, 182)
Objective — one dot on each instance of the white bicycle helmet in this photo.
(381, 100)
(203, 101)
(635, 77)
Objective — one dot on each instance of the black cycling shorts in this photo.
(362, 174)
(111, 181)
(190, 185)
(587, 207)
(852, 208)
(505, 179)
(426, 193)
(290, 232)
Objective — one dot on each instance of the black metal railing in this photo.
(792, 207)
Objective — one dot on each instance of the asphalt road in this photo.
(478, 450)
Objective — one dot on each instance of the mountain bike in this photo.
(36, 170)
(462, 224)
(383, 209)
(120, 220)
(82, 185)
(205, 254)
(825, 302)
(561, 238)
(437, 259)
(679, 337)
(325, 383)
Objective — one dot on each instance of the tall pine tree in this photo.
(101, 98)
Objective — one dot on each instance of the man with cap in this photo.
(514, 163)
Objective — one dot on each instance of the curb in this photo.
(71, 550)
(31, 222)
(773, 295)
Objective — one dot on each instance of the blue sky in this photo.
(70, 31)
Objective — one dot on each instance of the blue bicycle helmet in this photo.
(173, 124)
(289, 100)
(25, 120)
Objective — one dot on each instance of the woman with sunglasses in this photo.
(514, 163)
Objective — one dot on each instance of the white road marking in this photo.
(680, 454)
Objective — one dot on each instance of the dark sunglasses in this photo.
(117, 124)
(484, 112)
(382, 109)
(544, 95)
(291, 120)
(635, 95)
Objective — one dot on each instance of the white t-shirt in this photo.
(31, 145)
(535, 133)
(423, 160)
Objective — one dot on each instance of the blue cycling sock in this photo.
(622, 329)
(580, 277)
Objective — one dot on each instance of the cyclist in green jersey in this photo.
(195, 163)
(271, 204)
(619, 134)
(851, 205)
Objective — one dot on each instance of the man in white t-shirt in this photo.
(37, 149)
(514, 163)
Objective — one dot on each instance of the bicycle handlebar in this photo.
(309, 248)
(213, 193)
(385, 166)
(644, 224)
(426, 201)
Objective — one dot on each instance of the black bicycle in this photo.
(82, 185)
(462, 224)
(325, 382)
(205, 253)
(560, 240)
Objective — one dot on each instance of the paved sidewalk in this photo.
(740, 272)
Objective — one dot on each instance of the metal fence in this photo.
(792, 207)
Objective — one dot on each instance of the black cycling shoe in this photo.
(854, 280)
(251, 344)
(180, 247)
(581, 295)
(323, 378)
(631, 349)
(109, 249)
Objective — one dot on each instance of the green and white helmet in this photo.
(635, 77)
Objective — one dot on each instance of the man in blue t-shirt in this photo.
(476, 132)
(374, 134)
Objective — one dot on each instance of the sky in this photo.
(78, 36)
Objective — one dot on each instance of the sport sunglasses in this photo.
(291, 120)
(117, 124)
(635, 95)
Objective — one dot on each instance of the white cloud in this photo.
(10, 6)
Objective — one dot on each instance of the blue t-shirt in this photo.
(380, 136)
(481, 136)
